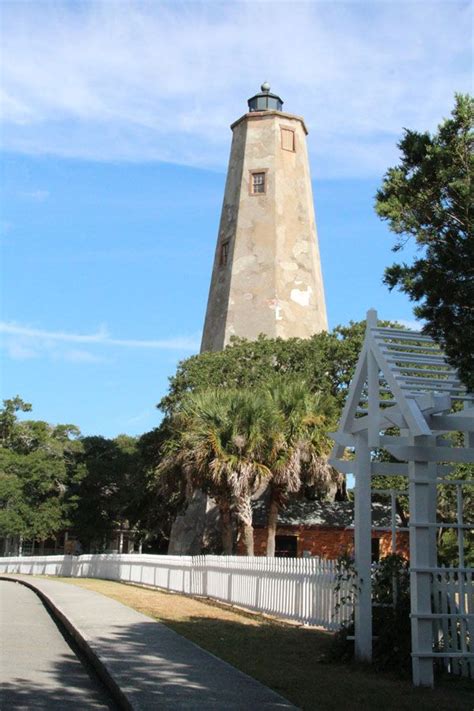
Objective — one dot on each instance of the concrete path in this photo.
(38, 669)
(146, 664)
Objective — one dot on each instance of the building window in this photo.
(224, 254)
(286, 546)
(288, 139)
(258, 186)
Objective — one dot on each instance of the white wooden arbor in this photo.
(403, 381)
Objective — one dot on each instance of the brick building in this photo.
(318, 528)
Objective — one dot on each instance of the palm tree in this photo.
(217, 445)
(253, 419)
(299, 445)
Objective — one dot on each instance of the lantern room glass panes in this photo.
(265, 102)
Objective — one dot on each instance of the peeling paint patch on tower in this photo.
(301, 297)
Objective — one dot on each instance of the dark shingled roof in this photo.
(339, 514)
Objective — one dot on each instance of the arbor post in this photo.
(363, 550)
(422, 477)
(403, 380)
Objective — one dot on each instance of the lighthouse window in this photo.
(288, 139)
(258, 183)
(224, 255)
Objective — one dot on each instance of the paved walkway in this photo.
(38, 669)
(146, 664)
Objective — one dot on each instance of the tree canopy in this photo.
(326, 361)
(52, 479)
(429, 196)
(321, 369)
(235, 443)
(37, 463)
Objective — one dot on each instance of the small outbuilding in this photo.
(324, 529)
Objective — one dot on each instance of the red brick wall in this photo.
(326, 542)
(402, 541)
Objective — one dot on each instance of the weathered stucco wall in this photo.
(272, 281)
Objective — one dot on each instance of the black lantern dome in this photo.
(265, 101)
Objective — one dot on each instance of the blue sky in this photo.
(115, 139)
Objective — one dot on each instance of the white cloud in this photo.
(36, 195)
(81, 356)
(21, 347)
(101, 337)
(26, 343)
(142, 416)
(18, 350)
(413, 325)
(162, 81)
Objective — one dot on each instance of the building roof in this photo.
(338, 514)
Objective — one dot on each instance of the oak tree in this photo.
(428, 196)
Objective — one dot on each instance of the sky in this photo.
(115, 139)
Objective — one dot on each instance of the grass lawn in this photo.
(285, 657)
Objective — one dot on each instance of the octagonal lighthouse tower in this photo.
(267, 270)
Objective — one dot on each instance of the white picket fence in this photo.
(453, 612)
(301, 589)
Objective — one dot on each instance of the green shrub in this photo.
(390, 615)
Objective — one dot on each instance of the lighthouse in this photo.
(266, 277)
